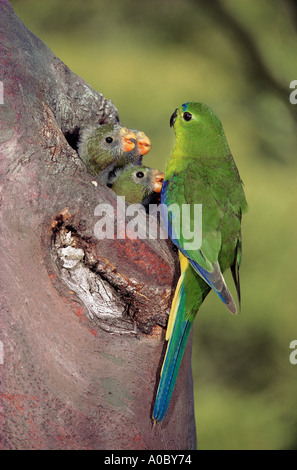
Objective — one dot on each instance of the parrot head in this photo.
(108, 139)
(150, 180)
(198, 129)
(137, 182)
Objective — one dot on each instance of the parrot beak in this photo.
(157, 183)
(143, 143)
(129, 139)
(173, 118)
(129, 144)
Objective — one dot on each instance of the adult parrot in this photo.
(200, 170)
(139, 184)
(105, 147)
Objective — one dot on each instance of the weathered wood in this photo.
(82, 319)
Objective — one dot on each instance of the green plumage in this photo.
(201, 170)
(95, 152)
(139, 184)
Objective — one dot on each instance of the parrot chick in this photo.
(104, 147)
(201, 170)
(139, 184)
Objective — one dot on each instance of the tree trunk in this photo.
(82, 319)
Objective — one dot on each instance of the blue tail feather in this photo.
(173, 358)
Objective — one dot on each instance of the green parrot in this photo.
(201, 170)
(139, 184)
(105, 147)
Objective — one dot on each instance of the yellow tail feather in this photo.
(175, 302)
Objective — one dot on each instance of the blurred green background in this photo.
(239, 57)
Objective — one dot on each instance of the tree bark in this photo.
(82, 319)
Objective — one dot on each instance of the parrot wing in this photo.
(195, 187)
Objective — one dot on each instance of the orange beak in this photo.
(129, 144)
(157, 182)
(129, 139)
(143, 143)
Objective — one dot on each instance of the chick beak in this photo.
(129, 141)
(173, 118)
(157, 182)
(144, 145)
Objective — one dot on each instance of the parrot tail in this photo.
(178, 331)
(217, 282)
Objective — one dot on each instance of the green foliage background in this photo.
(239, 57)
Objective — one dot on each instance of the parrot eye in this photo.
(139, 174)
(109, 140)
(187, 116)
